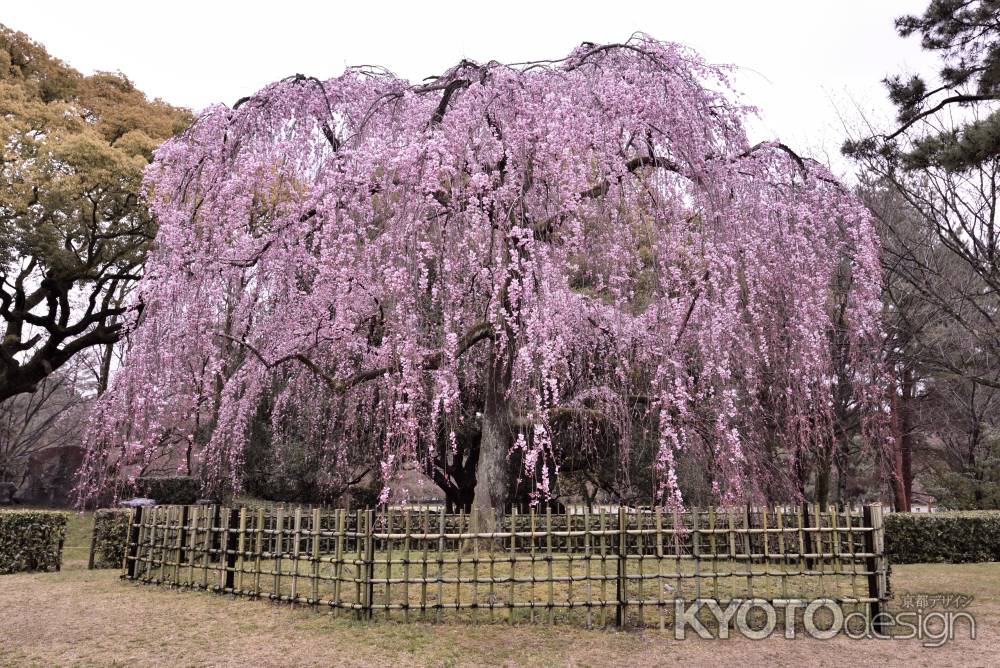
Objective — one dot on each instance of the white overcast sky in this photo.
(809, 65)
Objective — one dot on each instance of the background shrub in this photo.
(31, 540)
(951, 537)
(110, 532)
(177, 490)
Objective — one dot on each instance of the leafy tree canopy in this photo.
(73, 231)
(966, 33)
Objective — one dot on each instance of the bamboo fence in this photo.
(628, 568)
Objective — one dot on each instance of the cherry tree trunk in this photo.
(493, 467)
(823, 482)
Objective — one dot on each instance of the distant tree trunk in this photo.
(823, 481)
(105, 373)
(187, 458)
(842, 459)
(452, 466)
(978, 496)
(901, 500)
(801, 473)
(456, 481)
(458, 499)
(906, 434)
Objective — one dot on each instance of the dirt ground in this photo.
(90, 618)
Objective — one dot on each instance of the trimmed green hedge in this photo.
(169, 491)
(110, 533)
(31, 540)
(951, 537)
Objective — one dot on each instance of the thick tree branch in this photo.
(954, 99)
(449, 91)
(478, 333)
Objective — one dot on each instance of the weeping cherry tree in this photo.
(485, 263)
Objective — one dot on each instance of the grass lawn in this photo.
(79, 529)
(80, 617)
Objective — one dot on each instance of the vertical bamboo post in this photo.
(278, 547)
(221, 556)
(548, 559)
(622, 584)
(240, 562)
(835, 548)
(179, 545)
(360, 551)
(208, 540)
(258, 549)
(296, 539)
(339, 555)
(150, 528)
(458, 559)
(766, 546)
(214, 534)
(425, 530)
(714, 551)
(152, 522)
(185, 518)
(801, 525)
(604, 568)
(661, 603)
(570, 547)
(493, 527)
(874, 542)
(819, 546)
(369, 561)
(588, 557)
(696, 551)
(474, 517)
(194, 518)
(406, 565)
(853, 550)
(678, 548)
(532, 525)
(641, 545)
(513, 565)
(388, 562)
(747, 523)
(440, 569)
(231, 553)
(806, 536)
(132, 547)
(779, 517)
(314, 574)
(162, 549)
(142, 541)
(733, 561)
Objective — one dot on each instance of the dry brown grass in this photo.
(87, 618)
